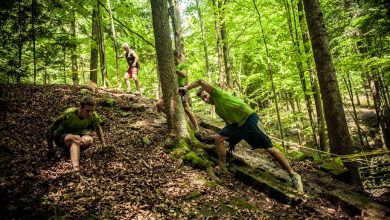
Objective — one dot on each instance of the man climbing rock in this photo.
(68, 130)
(241, 123)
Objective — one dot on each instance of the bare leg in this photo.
(127, 82)
(75, 144)
(191, 115)
(282, 160)
(221, 151)
(135, 78)
(160, 104)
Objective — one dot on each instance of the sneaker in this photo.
(296, 182)
(129, 91)
(137, 92)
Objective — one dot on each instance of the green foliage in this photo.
(358, 38)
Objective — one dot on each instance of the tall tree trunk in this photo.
(339, 137)
(94, 46)
(172, 103)
(75, 71)
(225, 45)
(115, 44)
(64, 63)
(323, 146)
(204, 42)
(20, 45)
(296, 45)
(379, 112)
(102, 49)
(33, 15)
(226, 59)
(348, 83)
(177, 30)
(217, 23)
(270, 72)
(82, 69)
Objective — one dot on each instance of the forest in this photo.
(317, 73)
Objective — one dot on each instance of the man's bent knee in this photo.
(87, 140)
(72, 139)
(219, 139)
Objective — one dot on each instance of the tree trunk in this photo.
(226, 59)
(176, 27)
(20, 45)
(225, 44)
(206, 56)
(217, 23)
(94, 46)
(82, 69)
(172, 103)
(339, 137)
(269, 68)
(296, 45)
(115, 44)
(33, 14)
(379, 112)
(102, 50)
(313, 81)
(75, 73)
(348, 83)
(64, 63)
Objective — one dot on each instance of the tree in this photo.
(102, 47)
(313, 80)
(270, 73)
(177, 30)
(94, 45)
(217, 26)
(204, 42)
(75, 71)
(339, 137)
(172, 103)
(115, 43)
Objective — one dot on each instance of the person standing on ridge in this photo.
(132, 72)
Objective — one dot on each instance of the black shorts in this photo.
(60, 142)
(249, 131)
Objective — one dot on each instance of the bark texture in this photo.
(339, 137)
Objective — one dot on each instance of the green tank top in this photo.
(181, 81)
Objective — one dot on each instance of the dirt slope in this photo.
(133, 179)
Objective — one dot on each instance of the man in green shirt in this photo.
(241, 123)
(181, 81)
(68, 130)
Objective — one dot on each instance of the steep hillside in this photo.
(133, 178)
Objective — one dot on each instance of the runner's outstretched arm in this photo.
(205, 85)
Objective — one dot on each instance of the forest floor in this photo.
(133, 178)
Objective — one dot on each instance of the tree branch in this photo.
(131, 31)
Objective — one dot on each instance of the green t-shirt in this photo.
(231, 109)
(181, 81)
(70, 123)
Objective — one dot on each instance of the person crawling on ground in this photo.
(69, 131)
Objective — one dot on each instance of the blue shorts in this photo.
(249, 131)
